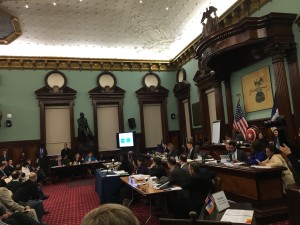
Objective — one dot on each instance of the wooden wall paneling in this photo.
(294, 76)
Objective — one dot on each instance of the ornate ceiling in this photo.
(100, 32)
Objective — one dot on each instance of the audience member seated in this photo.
(15, 183)
(125, 164)
(191, 153)
(9, 167)
(257, 153)
(4, 156)
(3, 175)
(275, 160)
(11, 206)
(236, 136)
(23, 158)
(25, 170)
(142, 168)
(66, 153)
(171, 150)
(183, 162)
(157, 169)
(234, 154)
(110, 214)
(200, 185)
(29, 194)
(16, 218)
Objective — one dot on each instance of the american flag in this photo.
(210, 204)
(240, 121)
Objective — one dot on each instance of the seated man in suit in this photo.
(11, 206)
(16, 218)
(4, 156)
(28, 193)
(183, 162)
(9, 167)
(15, 183)
(178, 201)
(3, 175)
(191, 153)
(235, 155)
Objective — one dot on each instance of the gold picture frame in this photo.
(257, 90)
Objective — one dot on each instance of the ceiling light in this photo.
(54, 3)
(167, 8)
(26, 6)
(141, 1)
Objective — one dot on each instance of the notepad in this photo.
(238, 216)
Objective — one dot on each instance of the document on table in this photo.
(238, 216)
(261, 167)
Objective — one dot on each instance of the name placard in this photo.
(221, 201)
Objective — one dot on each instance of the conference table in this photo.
(146, 190)
(69, 171)
(108, 186)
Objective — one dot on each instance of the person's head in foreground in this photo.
(110, 214)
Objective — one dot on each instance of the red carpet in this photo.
(70, 201)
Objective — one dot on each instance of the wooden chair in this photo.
(217, 184)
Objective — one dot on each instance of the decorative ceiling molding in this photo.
(82, 64)
(11, 28)
(234, 14)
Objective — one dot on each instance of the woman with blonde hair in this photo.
(275, 160)
(110, 214)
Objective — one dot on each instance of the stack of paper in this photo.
(238, 216)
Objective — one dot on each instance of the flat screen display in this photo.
(126, 139)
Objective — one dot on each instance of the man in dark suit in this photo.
(66, 153)
(9, 167)
(3, 175)
(42, 157)
(178, 201)
(190, 150)
(235, 155)
(29, 193)
(4, 156)
(177, 175)
(15, 183)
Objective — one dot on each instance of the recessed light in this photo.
(54, 3)
(141, 1)
(167, 8)
(26, 6)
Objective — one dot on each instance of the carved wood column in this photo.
(219, 105)
(284, 106)
(229, 103)
(293, 68)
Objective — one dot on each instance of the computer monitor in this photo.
(126, 139)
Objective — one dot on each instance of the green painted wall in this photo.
(18, 98)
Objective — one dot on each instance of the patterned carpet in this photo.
(69, 201)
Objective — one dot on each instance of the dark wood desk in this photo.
(293, 200)
(261, 187)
